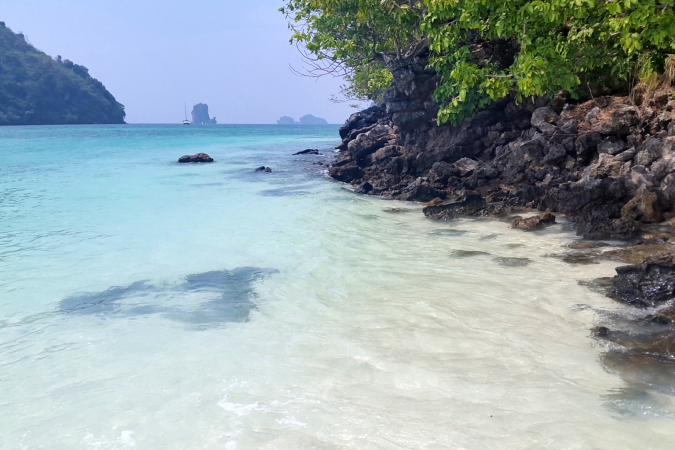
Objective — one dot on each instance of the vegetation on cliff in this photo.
(486, 50)
(38, 90)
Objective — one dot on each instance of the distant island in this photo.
(304, 120)
(200, 115)
(36, 89)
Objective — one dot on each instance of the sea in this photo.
(151, 305)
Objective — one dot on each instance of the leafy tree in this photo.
(562, 44)
(553, 44)
(355, 39)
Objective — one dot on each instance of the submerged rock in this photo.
(468, 253)
(468, 203)
(535, 222)
(512, 262)
(264, 169)
(198, 158)
(309, 151)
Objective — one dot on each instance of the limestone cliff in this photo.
(200, 115)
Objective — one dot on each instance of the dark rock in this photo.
(468, 203)
(346, 173)
(263, 169)
(309, 151)
(642, 207)
(544, 117)
(369, 142)
(648, 284)
(364, 188)
(621, 122)
(466, 166)
(535, 222)
(198, 158)
(626, 155)
(612, 145)
(420, 190)
(468, 253)
(555, 155)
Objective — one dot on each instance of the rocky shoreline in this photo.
(608, 164)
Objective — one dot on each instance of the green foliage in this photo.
(355, 39)
(366, 82)
(556, 44)
(563, 44)
(35, 89)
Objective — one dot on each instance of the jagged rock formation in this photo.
(38, 90)
(200, 115)
(609, 163)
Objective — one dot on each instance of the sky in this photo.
(154, 55)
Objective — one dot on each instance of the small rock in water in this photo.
(264, 169)
(512, 262)
(397, 210)
(580, 259)
(468, 253)
(587, 245)
(535, 222)
(309, 151)
(198, 158)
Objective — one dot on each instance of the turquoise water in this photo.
(151, 305)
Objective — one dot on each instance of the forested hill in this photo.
(38, 90)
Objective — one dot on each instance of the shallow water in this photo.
(150, 305)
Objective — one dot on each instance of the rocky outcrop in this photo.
(285, 120)
(200, 115)
(198, 158)
(312, 120)
(608, 163)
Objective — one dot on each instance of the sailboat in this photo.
(185, 122)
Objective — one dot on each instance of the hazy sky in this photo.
(155, 54)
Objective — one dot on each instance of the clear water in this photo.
(150, 305)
